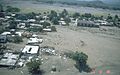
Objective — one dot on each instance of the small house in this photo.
(30, 49)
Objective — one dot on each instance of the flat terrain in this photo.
(102, 48)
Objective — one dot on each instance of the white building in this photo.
(34, 40)
(28, 49)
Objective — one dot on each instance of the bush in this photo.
(34, 66)
(45, 24)
(53, 28)
(17, 39)
(2, 30)
(13, 25)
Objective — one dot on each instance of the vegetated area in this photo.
(58, 42)
(86, 3)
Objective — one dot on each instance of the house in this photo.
(63, 23)
(13, 14)
(73, 21)
(47, 29)
(3, 38)
(9, 33)
(34, 41)
(21, 25)
(29, 49)
(31, 20)
(35, 25)
(85, 23)
(9, 59)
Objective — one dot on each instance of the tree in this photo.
(30, 15)
(87, 15)
(45, 24)
(12, 9)
(21, 16)
(53, 28)
(34, 66)
(116, 17)
(55, 21)
(65, 12)
(1, 29)
(81, 61)
(76, 15)
(67, 20)
(109, 18)
(13, 25)
(52, 15)
(17, 39)
(1, 8)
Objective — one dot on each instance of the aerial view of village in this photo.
(59, 37)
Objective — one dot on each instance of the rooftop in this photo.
(30, 49)
(9, 59)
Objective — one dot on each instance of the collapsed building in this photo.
(9, 59)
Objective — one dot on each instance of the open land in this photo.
(102, 49)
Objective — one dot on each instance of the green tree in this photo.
(53, 28)
(52, 15)
(12, 9)
(76, 15)
(1, 8)
(109, 18)
(13, 25)
(116, 17)
(45, 24)
(1, 29)
(81, 61)
(17, 39)
(34, 66)
(65, 13)
(31, 15)
(55, 21)
(67, 20)
(87, 15)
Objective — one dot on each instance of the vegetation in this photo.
(53, 28)
(17, 39)
(95, 4)
(76, 15)
(45, 24)
(12, 9)
(35, 29)
(53, 17)
(13, 25)
(81, 61)
(1, 8)
(34, 66)
(1, 29)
